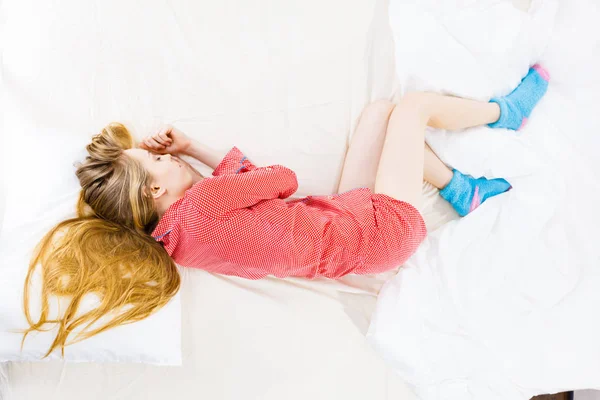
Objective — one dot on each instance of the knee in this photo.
(417, 102)
(377, 110)
(415, 98)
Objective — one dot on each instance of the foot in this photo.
(466, 193)
(517, 106)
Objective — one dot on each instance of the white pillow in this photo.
(43, 191)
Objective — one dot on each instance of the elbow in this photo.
(290, 183)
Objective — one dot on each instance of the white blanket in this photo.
(504, 304)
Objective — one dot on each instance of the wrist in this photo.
(204, 154)
(196, 150)
(186, 147)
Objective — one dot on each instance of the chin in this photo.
(190, 181)
(188, 177)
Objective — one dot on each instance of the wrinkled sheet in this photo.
(504, 304)
(278, 82)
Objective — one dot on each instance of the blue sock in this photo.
(466, 193)
(517, 106)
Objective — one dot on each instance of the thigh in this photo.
(362, 157)
(400, 171)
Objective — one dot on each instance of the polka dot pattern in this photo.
(237, 222)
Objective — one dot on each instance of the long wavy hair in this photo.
(106, 250)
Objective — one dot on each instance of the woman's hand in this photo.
(168, 139)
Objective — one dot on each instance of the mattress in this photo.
(281, 84)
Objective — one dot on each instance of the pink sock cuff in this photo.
(542, 71)
(476, 202)
(523, 123)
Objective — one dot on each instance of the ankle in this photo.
(516, 107)
(494, 112)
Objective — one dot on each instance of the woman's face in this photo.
(170, 175)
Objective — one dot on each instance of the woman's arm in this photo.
(171, 140)
(238, 183)
(222, 194)
(204, 154)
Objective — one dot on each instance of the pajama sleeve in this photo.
(234, 162)
(238, 184)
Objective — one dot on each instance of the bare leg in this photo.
(454, 113)
(364, 153)
(434, 170)
(401, 167)
(362, 157)
(400, 171)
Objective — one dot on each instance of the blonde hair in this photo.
(106, 250)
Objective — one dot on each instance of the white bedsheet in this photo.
(285, 82)
(504, 304)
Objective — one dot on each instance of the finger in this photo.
(153, 144)
(159, 140)
(156, 144)
(149, 145)
(166, 140)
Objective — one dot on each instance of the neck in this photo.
(196, 176)
(163, 204)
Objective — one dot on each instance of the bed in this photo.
(286, 83)
(280, 84)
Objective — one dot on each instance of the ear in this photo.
(157, 191)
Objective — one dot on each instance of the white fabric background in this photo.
(503, 304)
(285, 82)
(285, 87)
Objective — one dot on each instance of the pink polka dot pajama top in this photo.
(237, 222)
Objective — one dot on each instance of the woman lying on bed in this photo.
(141, 210)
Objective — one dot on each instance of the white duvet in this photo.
(286, 83)
(505, 303)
